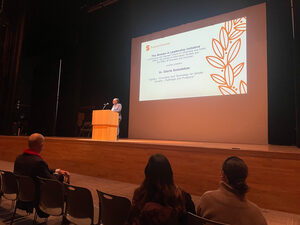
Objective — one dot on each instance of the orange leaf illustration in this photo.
(238, 69)
(218, 49)
(223, 37)
(228, 26)
(236, 21)
(229, 75)
(226, 90)
(233, 51)
(229, 45)
(241, 27)
(235, 34)
(243, 87)
(218, 79)
(215, 62)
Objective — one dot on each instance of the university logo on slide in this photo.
(147, 47)
(226, 49)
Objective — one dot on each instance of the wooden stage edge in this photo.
(274, 171)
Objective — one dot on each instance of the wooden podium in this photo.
(105, 125)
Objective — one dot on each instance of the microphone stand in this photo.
(104, 106)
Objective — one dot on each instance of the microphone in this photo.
(104, 105)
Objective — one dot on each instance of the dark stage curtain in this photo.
(11, 36)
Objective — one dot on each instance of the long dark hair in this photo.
(236, 172)
(158, 186)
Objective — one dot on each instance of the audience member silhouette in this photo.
(158, 201)
(228, 204)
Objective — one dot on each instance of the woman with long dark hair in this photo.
(228, 204)
(158, 200)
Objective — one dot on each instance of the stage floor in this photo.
(213, 145)
(273, 170)
(248, 149)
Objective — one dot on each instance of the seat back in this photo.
(113, 210)
(79, 203)
(193, 219)
(26, 189)
(9, 185)
(51, 196)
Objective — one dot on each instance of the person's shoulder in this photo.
(35, 158)
(189, 204)
(207, 200)
(19, 157)
(256, 212)
(27, 157)
(40, 161)
(184, 193)
(209, 194)
(253, 207)
(209, 197)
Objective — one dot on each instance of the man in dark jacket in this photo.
(30, 163)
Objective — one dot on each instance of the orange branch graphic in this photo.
(226, 49)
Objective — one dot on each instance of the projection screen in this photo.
(202, 81)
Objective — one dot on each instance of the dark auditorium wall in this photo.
(95, 50)
(281, 78)
(296, 60)
(51, 33)
(106, 43)
(95, 53)
(12, 17)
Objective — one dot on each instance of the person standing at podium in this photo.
(117, 107)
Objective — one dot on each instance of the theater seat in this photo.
(26, 197)
(51, 197)
(113, 210)
(79, 205)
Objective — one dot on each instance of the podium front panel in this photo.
(105, 125)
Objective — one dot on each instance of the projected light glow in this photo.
(208, 61)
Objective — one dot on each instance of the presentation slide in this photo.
(208, 61)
